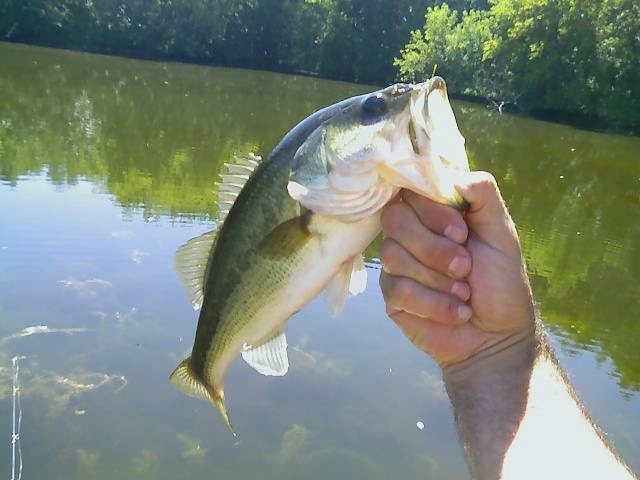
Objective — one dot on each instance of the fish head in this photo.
(403, 136)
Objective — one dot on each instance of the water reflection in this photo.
(108, 165)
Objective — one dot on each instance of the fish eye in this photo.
(374, 105)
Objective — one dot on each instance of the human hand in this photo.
(455, 287)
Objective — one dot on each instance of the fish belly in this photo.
(276, 287)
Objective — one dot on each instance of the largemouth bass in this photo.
(299, 221)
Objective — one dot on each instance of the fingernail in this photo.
(459, 266)
(461, 290)
(455, 234)
(464, 312)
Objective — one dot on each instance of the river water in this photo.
(108, 165)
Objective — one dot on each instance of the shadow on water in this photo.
(80, 133)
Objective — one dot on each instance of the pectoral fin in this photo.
(270, 358)
(287, 237)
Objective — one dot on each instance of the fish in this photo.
(296, 224)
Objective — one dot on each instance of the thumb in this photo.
(488, 216)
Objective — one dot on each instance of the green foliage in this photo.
(346, 39)
(561, 57)
(575, 57)
(455, 46)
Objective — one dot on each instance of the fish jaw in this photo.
(432, 161)
(349, 169)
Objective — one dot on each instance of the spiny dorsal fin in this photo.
(270, 358)
(352, 278)
(191, 264)
(232, 180)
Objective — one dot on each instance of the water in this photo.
(108, 165)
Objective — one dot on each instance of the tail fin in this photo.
(185, 380)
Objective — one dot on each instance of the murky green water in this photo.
(108, 165)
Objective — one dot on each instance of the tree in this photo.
(565, 57)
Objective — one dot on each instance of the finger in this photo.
(436, 252)
(397, 261)
(438, 218)
(480, 189)
(405, 294)
(488, 216)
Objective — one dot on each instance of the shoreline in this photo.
(572, 119)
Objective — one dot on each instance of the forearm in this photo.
(518, 419)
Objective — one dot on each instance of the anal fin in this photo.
(270, 358)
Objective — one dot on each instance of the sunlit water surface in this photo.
(108, 165)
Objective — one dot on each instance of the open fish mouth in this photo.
(434, 136)
(417, 147)
(412, 137)
(417, 113)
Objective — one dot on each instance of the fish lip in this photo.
(435, 83)
(460, 203)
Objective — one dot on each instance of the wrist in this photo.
(489, 392)
(517, 347)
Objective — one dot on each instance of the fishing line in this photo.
(16, 448)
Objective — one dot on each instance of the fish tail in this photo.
(187, 381)
(217, 398)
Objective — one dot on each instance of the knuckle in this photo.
(487, 182)
(446, 308)
(415, 338)
(434, 250)
(390, 256)
(384, 281)
(437, 253)
(392, 312)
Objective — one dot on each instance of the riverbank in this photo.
(585, 122)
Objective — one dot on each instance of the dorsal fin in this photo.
(191, 262)
(192, 258)
(232, 180)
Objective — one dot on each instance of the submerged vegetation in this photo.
(570, 59)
